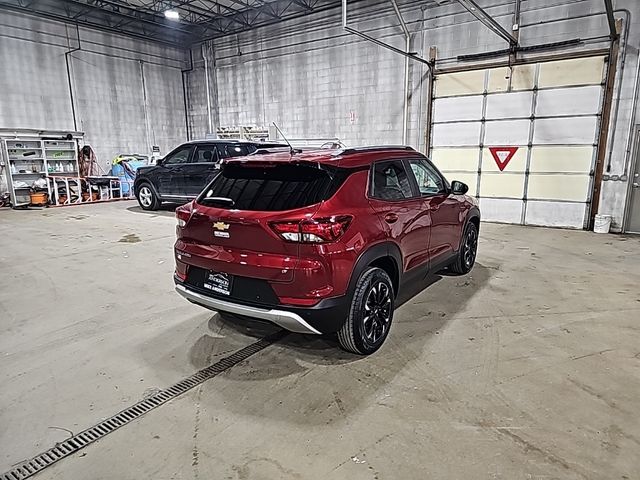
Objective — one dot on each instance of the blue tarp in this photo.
(126, 175)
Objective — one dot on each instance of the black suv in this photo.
(183, 173)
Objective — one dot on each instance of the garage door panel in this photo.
(470, 178)
(456, 134)
(570, 130)
(562, 159)
(558, 187)
(576, 71)
(457, 108)
(549, 111)
(555, 214)
(569, 101)
(518, 162)
(501, 210)
(461, 83)
(456, 158)
(509, 105)
(509, 185)
(522, 78)
(507, 132)
(498, 79)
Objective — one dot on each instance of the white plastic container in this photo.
(602, 224)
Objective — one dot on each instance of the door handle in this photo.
(391, 218)
(636, 184)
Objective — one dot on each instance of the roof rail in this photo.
(350, 151)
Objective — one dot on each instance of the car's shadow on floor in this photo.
(308, 375)
(165, 210)
(421, 309)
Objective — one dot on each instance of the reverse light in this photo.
(318, 230)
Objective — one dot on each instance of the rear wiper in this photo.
(219, 200)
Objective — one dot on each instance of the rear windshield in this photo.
(269, 188)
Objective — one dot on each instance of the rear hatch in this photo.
(229, 228)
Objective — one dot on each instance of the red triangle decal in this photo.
(502, 155)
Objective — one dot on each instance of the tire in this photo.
(374, 290)
(467, 252)
(147, 199)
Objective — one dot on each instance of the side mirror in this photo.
(459, 188)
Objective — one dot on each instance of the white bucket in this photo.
(602, 224)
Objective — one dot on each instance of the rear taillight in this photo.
(183, 214)
(318, 230)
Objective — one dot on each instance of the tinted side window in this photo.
(390, 181)
(179, 156)
(428, 180)
(236, 150)
(282, 187)
(206, 154)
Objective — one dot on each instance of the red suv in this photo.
(322, 241)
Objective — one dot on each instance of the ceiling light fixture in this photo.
(172, 15)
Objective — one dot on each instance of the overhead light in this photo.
(172, 14)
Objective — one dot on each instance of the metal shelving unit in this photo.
(30, 154)
(25, 164)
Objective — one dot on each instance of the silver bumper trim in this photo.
(287, 320)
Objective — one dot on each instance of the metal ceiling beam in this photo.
(613, 32)
(123, 11)
(85, 23)
(265, 14)
(346, 27)
(201, 20)
(475, 10)
(189, 12)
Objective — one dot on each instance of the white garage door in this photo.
(523, 138)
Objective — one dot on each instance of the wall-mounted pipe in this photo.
(407, 39)
(145, 109)
(66, 61)
(206, 83)
(183, 73)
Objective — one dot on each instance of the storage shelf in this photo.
(44, 155)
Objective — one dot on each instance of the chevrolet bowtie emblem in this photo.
(221, 226)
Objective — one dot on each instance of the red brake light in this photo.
(183, 214)
(318, 230)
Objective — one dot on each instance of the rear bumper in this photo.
(325, 317)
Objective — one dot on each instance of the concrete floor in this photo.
(528, 368)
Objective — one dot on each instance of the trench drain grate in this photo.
(77, 442)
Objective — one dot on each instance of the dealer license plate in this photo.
(218, 282)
